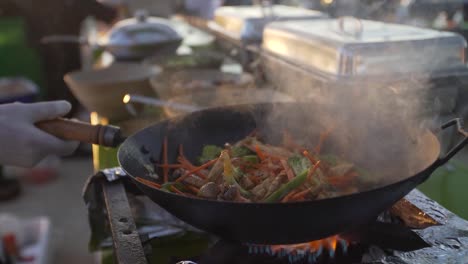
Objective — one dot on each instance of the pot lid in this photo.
(141, 30)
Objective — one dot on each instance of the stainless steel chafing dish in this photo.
(245, 23)
(352, 47)
(308, 58)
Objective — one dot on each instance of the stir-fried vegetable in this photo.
(298, 163)
(209, 152)
(229, 172)
(253, 171)
(240, 151)
(288, 187)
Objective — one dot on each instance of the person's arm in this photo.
(21, 142)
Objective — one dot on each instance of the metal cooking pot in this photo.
(131, 39)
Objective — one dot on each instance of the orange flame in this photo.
(329, 243)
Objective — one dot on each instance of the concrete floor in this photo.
(61, 201)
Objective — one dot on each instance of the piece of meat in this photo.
(216, 173)
(261, 189)
(246, 183)
(231, 193)
(210, 190)
(194, 180)
(275, 184)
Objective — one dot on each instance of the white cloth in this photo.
(22, 144)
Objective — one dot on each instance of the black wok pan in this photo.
(401, 156)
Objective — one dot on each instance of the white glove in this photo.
(21, 142)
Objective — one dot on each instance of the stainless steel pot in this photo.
(131, 39)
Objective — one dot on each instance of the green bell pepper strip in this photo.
(251, 159)
(287, 187)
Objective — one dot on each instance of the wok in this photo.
(405, 159)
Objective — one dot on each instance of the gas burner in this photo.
(326, 251)
(309, 252)
(344, 248)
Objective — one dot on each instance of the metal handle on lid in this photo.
(266, 7)
(141, 15)
(64, 39)
(358, 27)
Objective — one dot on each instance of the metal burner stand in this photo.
(128, 248)
(106, 192)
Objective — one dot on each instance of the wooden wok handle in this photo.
(108, 136)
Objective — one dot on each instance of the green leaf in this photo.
(209, 152)
(240, 151)
(299, 163)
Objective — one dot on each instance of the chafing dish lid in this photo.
(247, 22)
(352, 46)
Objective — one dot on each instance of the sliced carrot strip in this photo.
(308, 156)
(288, 197)
(341, 181)
(165, 169)
(181, 150)
(312, 170)
(189, 166)
(259, 153)
(147, 182)
(194, 189)
(288, 170)
(186, 164)
(323, 137)
(196, 169)
(300, 195)
(174, 189)
(172, 166)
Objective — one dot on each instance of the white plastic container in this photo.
(32, 236)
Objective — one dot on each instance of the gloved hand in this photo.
(22, 144)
